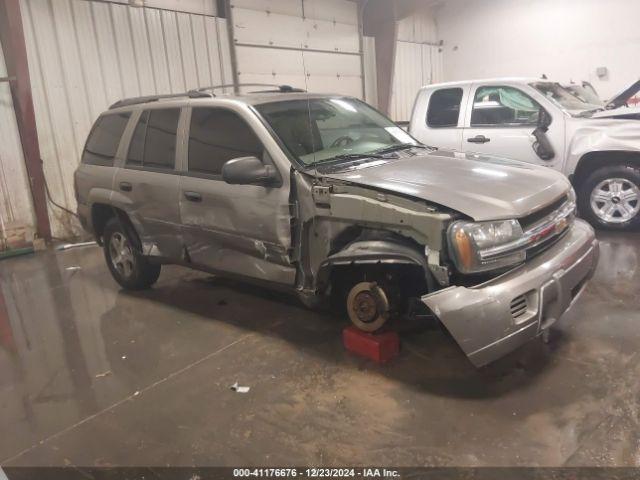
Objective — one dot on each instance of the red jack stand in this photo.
(379, 347)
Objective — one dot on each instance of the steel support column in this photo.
(15, 53)
(379, 21)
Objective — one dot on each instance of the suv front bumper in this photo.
(494, 318)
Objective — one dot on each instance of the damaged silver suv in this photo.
(326, 197)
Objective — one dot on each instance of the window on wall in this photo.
(217, 135)
(153, 144)
(104, 139)
(505, 106)
(444, 108)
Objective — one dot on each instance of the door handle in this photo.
(193, 196)
(126, 186)
(478, 139)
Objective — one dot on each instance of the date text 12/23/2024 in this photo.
(315, 473)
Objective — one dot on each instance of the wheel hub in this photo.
(615, 200)
(121, 254)
(368, 306)
(365, 307)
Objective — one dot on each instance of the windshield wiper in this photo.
(355, 156)
(400, 146)
(344, 156)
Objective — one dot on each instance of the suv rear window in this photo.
(216, 136)
(153, 144)
(444, 108)
(103, 141)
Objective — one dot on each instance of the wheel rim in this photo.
(121, 254)
(615, 200)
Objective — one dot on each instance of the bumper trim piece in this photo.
(479, 318)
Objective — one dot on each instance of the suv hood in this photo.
(479, 186)
(622, 113)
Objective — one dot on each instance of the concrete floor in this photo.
(91, 375)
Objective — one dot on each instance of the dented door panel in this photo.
(241, 229)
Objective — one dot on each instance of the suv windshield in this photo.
(563, 97)
(320, 130)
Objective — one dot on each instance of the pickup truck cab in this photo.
(323, 196)
(542, 123)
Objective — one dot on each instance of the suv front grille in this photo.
(538, 215)
(548, 225)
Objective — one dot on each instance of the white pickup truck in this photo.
(541, 122)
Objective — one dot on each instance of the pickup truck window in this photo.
(444, 108)
(104, 139)
(563, 97)
(332, 129)
(217, 135)
(506, 106)
(154, 140)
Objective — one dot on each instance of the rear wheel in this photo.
(127, 265)
(610, 197)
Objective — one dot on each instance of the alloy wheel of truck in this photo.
(368, 306)
(610, 197)
(127, 265)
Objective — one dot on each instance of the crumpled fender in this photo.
(600, 136)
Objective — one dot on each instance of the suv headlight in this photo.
(474, 245)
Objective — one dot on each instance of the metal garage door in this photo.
(84, 55)
(16, 211)
(418, 62)
(312, 44)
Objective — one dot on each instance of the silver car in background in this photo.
(540, 122)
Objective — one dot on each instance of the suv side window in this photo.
(217, 135)
(505, 106)
(103, 141)
(444, 108)
(153, 144)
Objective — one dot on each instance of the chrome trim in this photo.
(550, 226)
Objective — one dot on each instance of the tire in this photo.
(609, 198)
(127, 265)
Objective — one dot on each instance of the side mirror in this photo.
(248, 171)
(542, 146)
(544, 119)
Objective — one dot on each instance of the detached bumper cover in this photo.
(492, 319)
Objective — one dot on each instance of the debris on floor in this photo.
(73, 268)
(103, 374)
(68, 246)
(240, 389)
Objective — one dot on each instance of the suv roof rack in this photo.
(279, 88)
(154, 98)
(202, 92)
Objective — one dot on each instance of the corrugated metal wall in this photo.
(15, 197)
(84, 55)
(313, 44)
(418, 62)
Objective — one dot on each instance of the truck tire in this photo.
(127, 265)
(609, 198)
